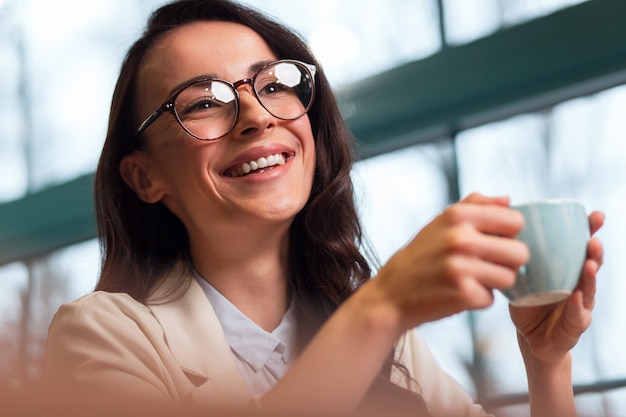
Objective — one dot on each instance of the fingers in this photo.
(595, 258)
(496, 250)
(577, 315)
(481, 253)
(494, 219)
(587, 285)
(596, 220)
(578, 307)
(486, 274)
(503, 251)
(595, 252)
(476, 198)
(484, 228)
(587, 282)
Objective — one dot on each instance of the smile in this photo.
(257, 165)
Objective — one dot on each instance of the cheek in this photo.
(308, 144)
(184, 161)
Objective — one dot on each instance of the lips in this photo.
(257, 165)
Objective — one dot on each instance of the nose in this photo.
(253, 117)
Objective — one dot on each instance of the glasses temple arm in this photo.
(146, 123)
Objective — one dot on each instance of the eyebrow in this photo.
(252, 69)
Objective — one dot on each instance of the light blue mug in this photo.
(557, 233)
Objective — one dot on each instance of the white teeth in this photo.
(261, 163)
(273, 160)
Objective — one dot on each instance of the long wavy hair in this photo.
(141, 243)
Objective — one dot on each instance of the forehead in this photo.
(222, 49)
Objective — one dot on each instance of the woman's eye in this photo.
(274, 88)
(201, 104)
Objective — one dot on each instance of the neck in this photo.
(250, 270)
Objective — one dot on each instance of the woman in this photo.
(231, 264)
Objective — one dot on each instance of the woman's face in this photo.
(195, 179)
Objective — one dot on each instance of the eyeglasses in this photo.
(208, 108)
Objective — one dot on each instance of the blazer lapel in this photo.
(196, 339)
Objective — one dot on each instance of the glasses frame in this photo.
(169, 104)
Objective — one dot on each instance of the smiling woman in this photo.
(231, 271)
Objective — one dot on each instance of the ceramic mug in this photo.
(556, 233)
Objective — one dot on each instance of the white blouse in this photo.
(262, 357)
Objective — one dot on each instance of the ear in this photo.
(136, 170)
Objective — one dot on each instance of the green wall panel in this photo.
(576, 51)
(50, 219)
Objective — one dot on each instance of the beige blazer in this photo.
(177, 351)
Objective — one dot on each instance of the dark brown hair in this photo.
(142, 242)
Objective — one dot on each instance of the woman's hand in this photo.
(455, 262)
(547, 333)
(452, 265)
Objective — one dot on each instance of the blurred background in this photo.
(523, 98)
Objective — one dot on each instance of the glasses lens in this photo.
(285, 89)
(207, 109)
